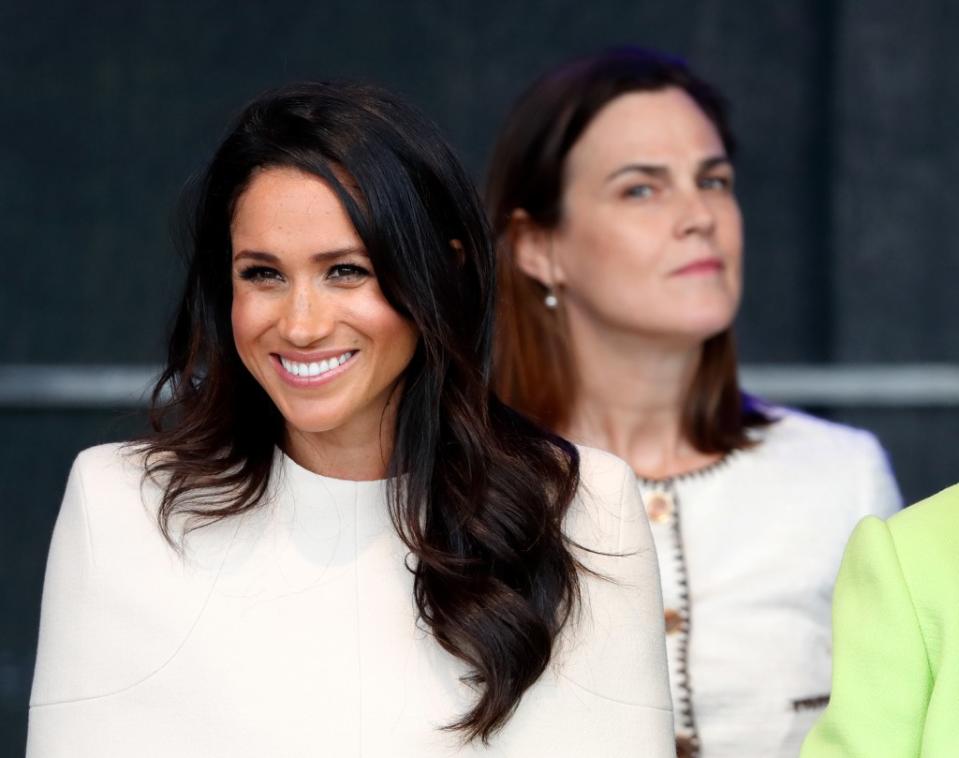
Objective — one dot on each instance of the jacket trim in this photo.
(666, 482)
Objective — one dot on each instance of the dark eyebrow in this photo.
(662, 172)
(326, 255)
(719, 160)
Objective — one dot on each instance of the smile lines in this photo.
(315, 369)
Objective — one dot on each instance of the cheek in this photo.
(249, 317)
(399, 337)
(395, 338)
(731, 242)
(730, 225)
(604, 252)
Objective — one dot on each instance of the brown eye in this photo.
(259, 273)
(348, 272)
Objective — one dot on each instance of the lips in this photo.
(314, 368)
(305, 370)
(702, 266)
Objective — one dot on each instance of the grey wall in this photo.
(845, 110)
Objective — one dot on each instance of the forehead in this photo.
(281, 205)
(666, 127)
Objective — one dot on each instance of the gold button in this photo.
(673, 619)
(659, 507)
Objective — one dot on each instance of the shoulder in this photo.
(117, 599)
(116, 466)
(602, 475)
(926, 535)
(937, 513)
(832, 463)
(919, 548)
(873, 585)
(881, 663)
(104, 456)
(793, 430)
(616, 647)
(607, 513)
(108, 486)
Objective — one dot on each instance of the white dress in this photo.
(291, 631)
(749, 549)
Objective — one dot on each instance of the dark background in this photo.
(846, 112)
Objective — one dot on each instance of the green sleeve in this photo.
(881, 679)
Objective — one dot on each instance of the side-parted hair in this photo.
(484, 492)
(534, 368)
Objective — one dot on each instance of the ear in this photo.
(533, 250)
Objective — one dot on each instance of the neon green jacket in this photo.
(895, 680)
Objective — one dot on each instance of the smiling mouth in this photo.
(314, 369)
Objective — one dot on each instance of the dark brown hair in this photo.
(534, 370)
(484, 491)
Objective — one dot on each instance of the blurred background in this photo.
(846, 113)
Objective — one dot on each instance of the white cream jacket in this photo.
(749, 549)
(292, 631)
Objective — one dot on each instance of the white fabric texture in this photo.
(291, 631)
(749, 550)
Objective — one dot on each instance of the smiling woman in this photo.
(338, 541)
(302, 319)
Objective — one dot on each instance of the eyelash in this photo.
(348, 271)
(721, 183)
(259, 273)
(338, 272)
(632, 191)
(725, 182)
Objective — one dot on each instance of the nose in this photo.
(307, 317)
(695, 215)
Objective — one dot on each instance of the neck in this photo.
(357, 451)
(630, 397)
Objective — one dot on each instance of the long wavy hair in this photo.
(484, 491)
(534, 368)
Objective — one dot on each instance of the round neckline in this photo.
(300, 473)
(696, 473)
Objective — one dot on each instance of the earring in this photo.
(551, 301)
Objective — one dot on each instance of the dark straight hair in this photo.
(484, 491)
(533, 361)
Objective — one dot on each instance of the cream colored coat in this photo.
(292, 632)
(749, 551)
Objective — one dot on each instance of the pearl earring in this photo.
(551, 301)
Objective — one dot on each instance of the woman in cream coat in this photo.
(612, 195)
(338, 542)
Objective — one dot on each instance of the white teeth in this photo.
(314, 369)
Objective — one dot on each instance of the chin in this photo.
(314, 422)
(702, 328)
(310, 420)
(710, 321)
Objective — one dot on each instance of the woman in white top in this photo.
(337, 541)
(611, 192)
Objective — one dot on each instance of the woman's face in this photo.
(309, 320)
(650, 239)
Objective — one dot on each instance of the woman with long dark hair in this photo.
(337, 541)
(611, 192)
